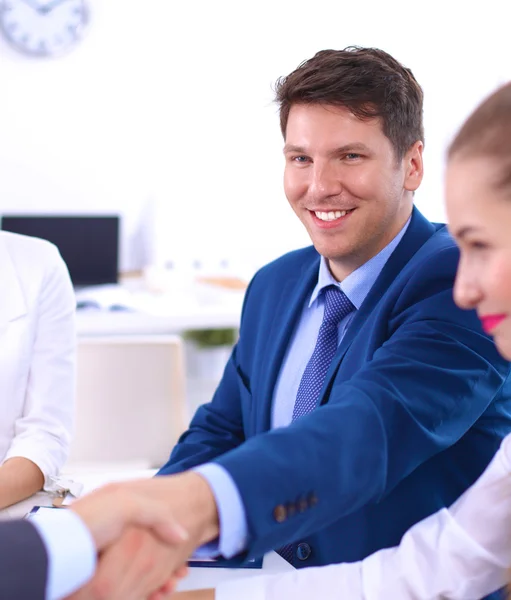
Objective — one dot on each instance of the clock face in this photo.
(43, 27)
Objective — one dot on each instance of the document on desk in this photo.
(38, 509)
(116, 297)
(224, 563)
(93, 480)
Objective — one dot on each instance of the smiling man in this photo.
(347, 184)
(359, 399)
(358, 390)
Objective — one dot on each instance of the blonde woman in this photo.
(463, 552)
(37, 352)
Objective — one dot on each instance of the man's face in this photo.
(343, 181)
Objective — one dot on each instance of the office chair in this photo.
(130, 401)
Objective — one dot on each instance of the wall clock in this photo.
(43, 27)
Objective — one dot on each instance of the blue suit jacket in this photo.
(414, 406)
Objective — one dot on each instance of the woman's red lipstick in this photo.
(491, 321)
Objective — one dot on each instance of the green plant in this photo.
(210, 338)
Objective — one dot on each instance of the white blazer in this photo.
(37, 353)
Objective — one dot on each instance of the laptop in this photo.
(89, 244)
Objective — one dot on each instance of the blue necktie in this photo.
(337, 306)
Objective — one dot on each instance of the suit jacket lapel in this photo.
(418, 232)
(12, 299)
(287, 312)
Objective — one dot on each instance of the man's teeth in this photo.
(332, 215)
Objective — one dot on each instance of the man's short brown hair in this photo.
(368, 82)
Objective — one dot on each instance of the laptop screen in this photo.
(89, 245)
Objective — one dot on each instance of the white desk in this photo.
(199, 577)
(178, 319)
(195, 306)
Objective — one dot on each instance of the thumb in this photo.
(157, 516)
(108, 512)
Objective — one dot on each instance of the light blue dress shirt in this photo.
(232, 516)
(70, 549)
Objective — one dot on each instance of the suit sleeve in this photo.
(216, 427)
(23, 564)
(422, 390)
(453, 553)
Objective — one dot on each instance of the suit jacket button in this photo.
(303, 551)
(303, 505)
(280, 513)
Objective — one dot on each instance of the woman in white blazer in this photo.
(463, 552)
(37, 355)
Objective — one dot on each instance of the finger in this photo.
(166, 591)
(114, 579)
(150, 565)
(182, 572)
(170, 586)
(161, 594)
(155, 515)
(111, 509)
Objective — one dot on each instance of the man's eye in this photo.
(300, 159)
(352, 156)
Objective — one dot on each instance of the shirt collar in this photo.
(357, 285)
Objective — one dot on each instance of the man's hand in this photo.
(139, 565)
(108, 511)
(136, 567)
(191, 595)
(189, 498)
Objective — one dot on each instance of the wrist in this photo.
(205, 512)
(19, 479)
(202, 512)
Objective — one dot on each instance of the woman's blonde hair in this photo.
(487, 134)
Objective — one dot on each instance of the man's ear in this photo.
(414, 169)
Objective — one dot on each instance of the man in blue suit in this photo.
(359, 399)
(413, 404)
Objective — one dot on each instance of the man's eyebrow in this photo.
(292, 148)
(351, 147)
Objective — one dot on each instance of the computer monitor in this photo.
(88, 244)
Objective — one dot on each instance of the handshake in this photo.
(144, 531)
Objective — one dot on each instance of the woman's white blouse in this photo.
(460, 553)
(37, 353)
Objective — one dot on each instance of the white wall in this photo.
(164, 113)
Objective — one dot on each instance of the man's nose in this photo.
(326, 182)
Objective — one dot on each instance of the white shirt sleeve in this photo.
(460, 553)
(70, 549)
(43, 433)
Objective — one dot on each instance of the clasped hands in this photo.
(144, 532)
